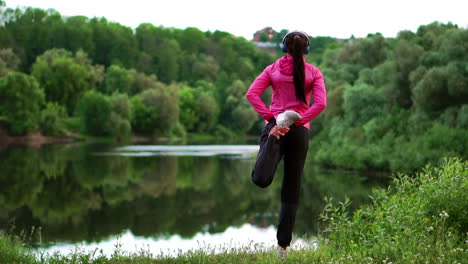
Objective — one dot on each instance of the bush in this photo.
(120, 128)
(95, 110)
(144, 118)
(155, 111)
(421, 219)
(11, 251)
(52, 120)
(103, 115)
(178, 131)
(21, 100)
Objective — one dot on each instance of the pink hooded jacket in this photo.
(280, 76)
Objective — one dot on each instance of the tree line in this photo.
(393, 103)
(110, 80)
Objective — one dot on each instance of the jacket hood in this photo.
(286, 65)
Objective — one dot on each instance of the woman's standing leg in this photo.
(295, 147)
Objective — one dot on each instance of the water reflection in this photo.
(76, 196)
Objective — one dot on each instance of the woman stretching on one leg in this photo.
(286, 134)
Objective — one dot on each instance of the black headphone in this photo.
(307, 47)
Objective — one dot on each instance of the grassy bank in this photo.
(420, 219)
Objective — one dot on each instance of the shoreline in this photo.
(37, 140)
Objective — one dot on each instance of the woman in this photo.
(293, 82)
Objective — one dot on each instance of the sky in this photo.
(335, 18)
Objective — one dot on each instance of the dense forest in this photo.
(393, 103)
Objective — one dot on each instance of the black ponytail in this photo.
(296, 46)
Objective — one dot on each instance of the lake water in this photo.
(161, 198)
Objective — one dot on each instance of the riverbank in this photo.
(36, 139)
(421, 218)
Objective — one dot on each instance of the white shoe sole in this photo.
(287, 118)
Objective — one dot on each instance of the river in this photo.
(166, 199)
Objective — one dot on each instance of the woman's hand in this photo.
(278, 131)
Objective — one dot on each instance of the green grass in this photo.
(12, 250)
(419, 219)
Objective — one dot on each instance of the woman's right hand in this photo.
(278, 131)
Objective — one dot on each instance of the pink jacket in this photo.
(280, 76)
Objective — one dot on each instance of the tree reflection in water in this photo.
(75, 195)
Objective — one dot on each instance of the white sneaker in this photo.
(282, 252)
(288, 118)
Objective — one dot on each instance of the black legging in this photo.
(293, 147)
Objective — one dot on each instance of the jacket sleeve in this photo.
(320, 100)
(260, 84)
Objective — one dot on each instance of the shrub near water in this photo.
(11, 251)
(52, 120)
(420, 219)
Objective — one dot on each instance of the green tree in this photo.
(406, 57)
(118, 80)
(362, 103)
(431, 93)
(155, 110)
(96, 72)
(189, 108)
(143, 82)
(9, 61)
(198, 108)
(208, 110)
(120, 117)
(113, 43)
(103, 115)
(168, 66)
(227, 56)
(453, 46)
(145, 116)
(237, 113)
(205, 68)
(21, 101)
(429, 36)
(168, 107)
(78, 34)
(63, 79)
(335, 102)
(457, 82)
(95, 111)
(30, 29)
(192, 40)
(367, 52)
